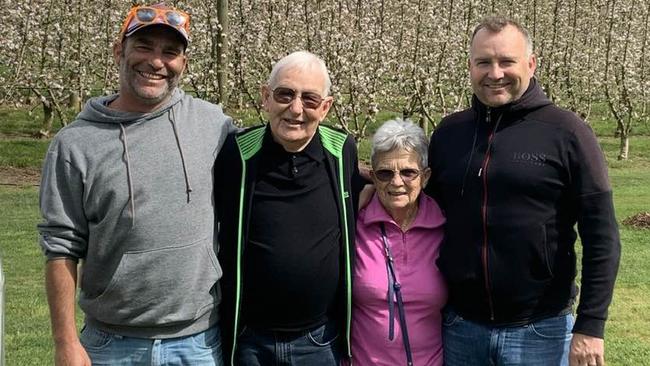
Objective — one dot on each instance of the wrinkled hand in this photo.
(365, 195)
(586, 351)
(71, 354)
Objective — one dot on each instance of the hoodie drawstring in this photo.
(188, 187)
(128, 172)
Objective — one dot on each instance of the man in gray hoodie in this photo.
(127, 188)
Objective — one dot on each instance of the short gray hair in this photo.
(399, 134)
(496, 23)
(302, 60)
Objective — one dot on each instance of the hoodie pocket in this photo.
(519, 260)
(460, 255)
(159, 287)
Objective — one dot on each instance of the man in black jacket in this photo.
(287, 195)
(514, 174)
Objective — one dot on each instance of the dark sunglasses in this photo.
(386, 175)
(284, 95)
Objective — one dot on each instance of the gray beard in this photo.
(131, 74)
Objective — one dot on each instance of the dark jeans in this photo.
(315, 347)
(541, 343)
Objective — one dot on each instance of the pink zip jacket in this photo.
(423, 288)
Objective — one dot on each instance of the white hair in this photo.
(399, 134)
(302, 60)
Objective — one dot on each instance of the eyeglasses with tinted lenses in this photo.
(141, 15)
(284, 95)
(172, 17)
(386, 175)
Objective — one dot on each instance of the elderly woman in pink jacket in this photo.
(398, 291)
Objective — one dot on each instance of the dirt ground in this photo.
(640, 220)
(11, 176)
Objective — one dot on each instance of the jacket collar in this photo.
(313, 150)
(533, 98)
(429, 215)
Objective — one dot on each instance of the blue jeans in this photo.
(316, 347)
(104, 348)
(542, 343)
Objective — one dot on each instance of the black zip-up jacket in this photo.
(513, 182)
(234, 181)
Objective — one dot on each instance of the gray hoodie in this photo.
(131, 195)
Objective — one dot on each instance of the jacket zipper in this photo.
(484, 253)
(348, 263)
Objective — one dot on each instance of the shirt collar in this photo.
(429, 214)
(313, 150)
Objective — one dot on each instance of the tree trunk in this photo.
(222, 51)
(74, 102)
(625, 146)
(48, 118)
(424, 125)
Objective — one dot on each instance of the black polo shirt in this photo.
(291, 266)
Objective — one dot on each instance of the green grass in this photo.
(19, 122)
(27, 324)
(27, 327)
(26, 123)
(27, 321)
(18, 148)
(628, 327)
(22, 153)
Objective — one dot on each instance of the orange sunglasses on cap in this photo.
(142, 16)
